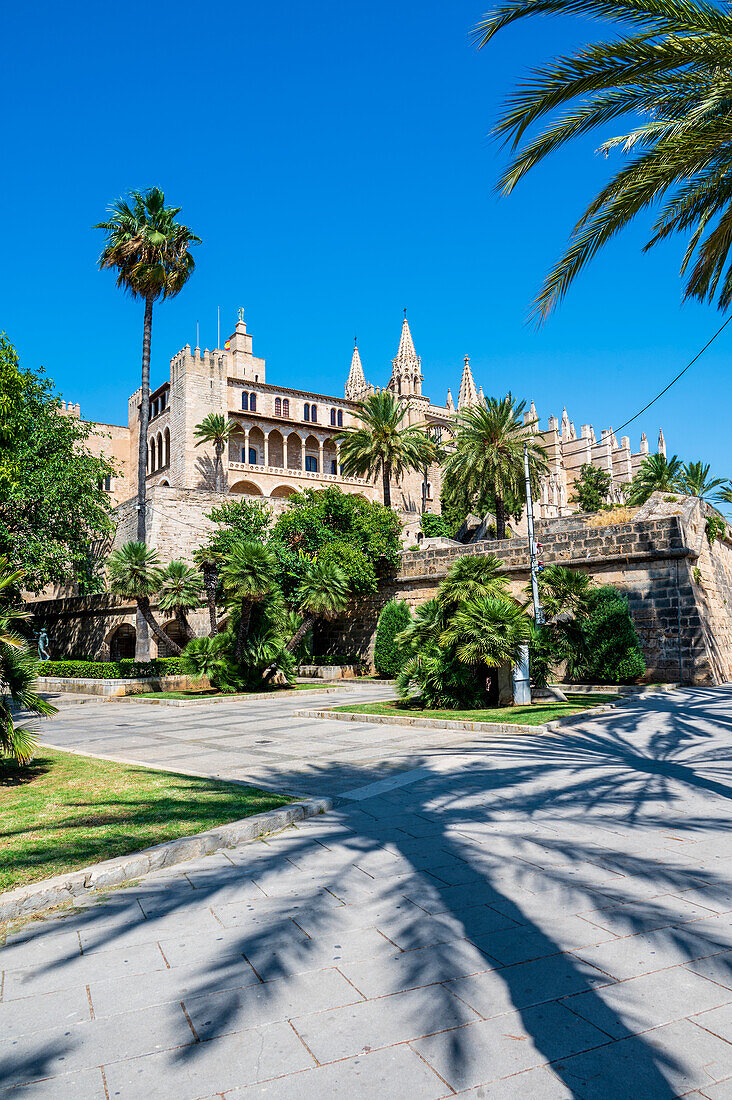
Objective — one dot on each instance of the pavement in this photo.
(538, 915)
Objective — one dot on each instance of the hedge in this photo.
(112, 670)
(388, 657)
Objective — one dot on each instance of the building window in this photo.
(106, 484)
(252, 456)
(244, 454)
(340, 418)
(306, 412)
(252, 402)
(311, 464)
(245, 401)
(333, 466)
(286, 407)
(333, 417)
(429, 490)
(278, 406)
(314, 413)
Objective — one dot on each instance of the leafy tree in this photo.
(180, 591)
(487, 631)
(614, 652)
(435, 527)
(656, 474)
(384, 444)
(695, 480)
(667, 74)
(322, 593)
(135, 573)
(18, 672)
(248, 576)
(236, 521)
(388, 654)
(215, 428)
(591, 488)
(489, 453)
(53, 509)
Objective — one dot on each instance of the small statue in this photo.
(43, 653)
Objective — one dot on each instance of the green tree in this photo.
(665, 74)
(236, 521)
(384, 444)
(591, 488)
(211, 657)
(724, 495)
(18, 673)
(388, 654)
(488, 454)
(563, 591)
(656, 474)
(614, 652)
(487, 631)
(54, 512)
(475, 576)
(695, 480)
(136, 573)
(322, 593)
(248, 577)
(435, 526)
(180, 592)
(215, 428)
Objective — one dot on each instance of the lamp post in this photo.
(522, 672)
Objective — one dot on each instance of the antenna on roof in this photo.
(218, 326)
(198, 342)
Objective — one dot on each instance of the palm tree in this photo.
(209, 657)
(216, 429)
(563, 591)
(470, 577)
(248, 578)
(18, 672)
(668, 72)
(135, 573)
(724, 496)
(656, 474)
(695, 480)
(209, 561)
(489, 453)
(180, 591)
(489, 631)
(149, 250)
(428, 623)
(322, 593)
(384, 444)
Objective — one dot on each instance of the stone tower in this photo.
(356, 387)
(406, 368)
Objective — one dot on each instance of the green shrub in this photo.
(716, 529)
(388, 657)
(614, 652)
(435, 527)
(112, 670)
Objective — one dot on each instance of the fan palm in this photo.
(470, 577)
(180, 591)
(209, 657)
(695, 480)
(489, 631)
(563, 591)
(247, 577)
(135, 573)
(215, 428)
(724, 496)
(669, 71)
(149, 250)
(656, 474)
(384, 443)
(428, 623)
(489, 453)
(322, 593)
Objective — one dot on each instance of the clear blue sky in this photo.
(334, 159)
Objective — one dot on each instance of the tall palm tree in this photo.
(667, 72)
(695, 480)
(215, 428)
(248, 578)
(180, 591)
(384, 444)
(209, 562)
(322, 593)
(489, 453)
(656, 474)
(135, 573)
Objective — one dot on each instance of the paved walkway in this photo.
(539, 917)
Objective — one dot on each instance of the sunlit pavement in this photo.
(538, 916)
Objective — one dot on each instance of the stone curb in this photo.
(26, 900)
(235, 698)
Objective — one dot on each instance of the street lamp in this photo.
(522, 672)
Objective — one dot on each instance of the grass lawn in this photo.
(211, 694)
(63, 812)
(535, 715)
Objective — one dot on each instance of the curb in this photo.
(242, 697)
(26, 900)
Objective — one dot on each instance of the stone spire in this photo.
(468, 396)
(406, 368)
(356, 383)
(644, 444)
(565, 424)
(661, 442)
(450, 404)
(481, 397)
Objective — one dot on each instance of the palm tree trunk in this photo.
(144, 609)
(300, 633)
(142, 637)
(243, 632)
(210, 580)
(185, 625)
(386, 482)
(500, 517)
(219, 468)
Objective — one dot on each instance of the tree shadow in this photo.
(481, 874)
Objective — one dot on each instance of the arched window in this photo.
(306, 412)
(245, 401)
(340, 418)
(314, 413)
(333, 417)
(278, 406)
(252, 402)
(166, 439)
(286, 407)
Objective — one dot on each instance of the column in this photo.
(266, 449)
(302, 454)
(321, 468)
(338, 458)
(245, 456)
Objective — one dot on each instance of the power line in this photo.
(673, 380)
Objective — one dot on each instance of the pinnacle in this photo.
(406, 357)
(468, 396)
(356, 383)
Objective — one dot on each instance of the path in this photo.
(534, 917)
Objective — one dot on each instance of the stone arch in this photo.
(236, 444)
(312, 451)
(161, 452)
(282, 492)
(294, 451)
(121, 642)
(246, 488)
(151, 455)
(330, 456)
(276, 448)
(164, 482)
(256, 442)
(176, 633)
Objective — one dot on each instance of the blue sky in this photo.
(334, 158)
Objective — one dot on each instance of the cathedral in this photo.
(283, 439)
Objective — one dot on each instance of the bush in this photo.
(436, 527)
(112, 670)
(388, 657)
(614, 652)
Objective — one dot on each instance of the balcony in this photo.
(286, 471)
